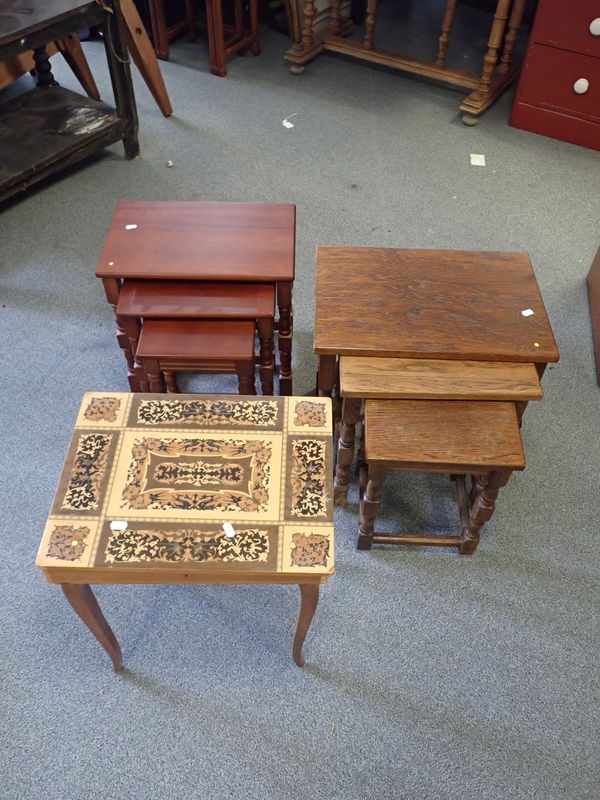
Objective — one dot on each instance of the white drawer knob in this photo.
(595, 27)
(581, 86)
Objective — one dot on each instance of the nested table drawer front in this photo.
(562, 81)
(571, 26)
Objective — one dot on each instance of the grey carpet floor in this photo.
(429, 677)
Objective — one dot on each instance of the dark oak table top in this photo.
(447, 304)
(21, 19)
(200, 241)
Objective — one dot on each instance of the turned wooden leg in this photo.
(85, 605)
(112, 288)
(131, 328)
(482, 509)
(245, 373)
(514, 23)
(444, 39)
(309, 599)
(42, 67)
(265, 338)
(326, 375)
(369, 506)
(335, 18)
(478, 485)
(170, 381)
(308, 33)
(369, 40)
(152, 371)
(494, 42)
(345, 449)
(284, 304)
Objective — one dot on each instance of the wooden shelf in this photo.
(47, 129)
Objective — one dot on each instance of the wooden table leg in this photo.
(514, 23)
(309, 598)
(265, 338)
(369, 40)
(120, 76)
(326, 375)
(369, 506)
(334, 25)
(345, 449)
(85, 605)
(112, 287)
(482, 509)
(444, 39)
(284, 304)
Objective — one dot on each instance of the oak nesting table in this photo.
(203, 242)
(428, 304)
(192, 489)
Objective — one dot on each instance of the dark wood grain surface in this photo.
(181, 299)
(430, 433)
(23, 22)
(431, 304)
(200, 241)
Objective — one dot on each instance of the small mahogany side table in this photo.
(150, 480)
(203, 241)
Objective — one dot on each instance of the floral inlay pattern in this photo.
(89, 468)
(185, 546)
(308, 478)
(310, 550)
(310, 413)
(157, 494)
(260, 414)
(102, 408)
(67, 543)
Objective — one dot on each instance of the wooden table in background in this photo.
(149, 481)
(49, 128)
(201, 241)
(497, 71)
(438, 304)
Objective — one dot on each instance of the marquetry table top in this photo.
(150, 479)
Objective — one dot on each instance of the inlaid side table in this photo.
(190, 490)
(204, 242)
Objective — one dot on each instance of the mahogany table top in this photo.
(200, 241)
(446, 304)
(150, 479)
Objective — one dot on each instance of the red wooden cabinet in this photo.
(559, 89)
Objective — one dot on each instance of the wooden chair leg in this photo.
(70, 48)
(254, 27)
(216, 37)
(141, 50)
(369, 506)
(345, 449)
(482, 509)
(246, 379)
(265, 337)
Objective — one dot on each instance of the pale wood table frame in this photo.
(497, 71)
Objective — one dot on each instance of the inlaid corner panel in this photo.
(149, 481)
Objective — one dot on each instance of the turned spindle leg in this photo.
(345, 449)
(112, 287)
(152, 371)
(307, 38)
(514, 23)
(284, 304)
(246, 377)
(335, 18)
(369, 506)
(85, 605)
(265, 338)
(478, 485)
(369, 40)
(130, 326)
(42, 67)
(491, 57)
(309, 596)
(482, 509)
(444, 39)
